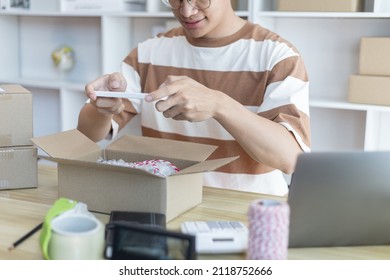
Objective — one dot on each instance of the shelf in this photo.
(45, 84)
(358, 15)
(345, 105)
(134, 14)
(86, 14)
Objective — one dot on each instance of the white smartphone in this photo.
(117, 94)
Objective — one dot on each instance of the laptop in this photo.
(340, 199)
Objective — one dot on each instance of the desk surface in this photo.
(21, 210)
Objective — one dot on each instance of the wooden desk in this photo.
(21, 210)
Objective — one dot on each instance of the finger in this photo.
(106, 102)
(181, 117)
(100, 83)
(90, 94)
(170, 86)
(162, 93)
(109, 82)
(116, 82)
(104, 112)
(170, 103)
(90, 91)
(173, 112)
(109, 112)
(114, 110)
(168, 113)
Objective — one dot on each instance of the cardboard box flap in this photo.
(208, 165)
(14, 89)
(165, 148)
(71, 144)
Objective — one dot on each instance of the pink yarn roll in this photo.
(268, 230)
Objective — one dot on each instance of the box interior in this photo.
(74, 147)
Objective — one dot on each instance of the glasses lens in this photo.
(197, 4)
(200, 4)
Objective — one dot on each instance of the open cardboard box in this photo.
(105, 188)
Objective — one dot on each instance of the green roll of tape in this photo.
(59, 207)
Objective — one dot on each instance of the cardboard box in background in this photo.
(18, 168)
(369, 89)
(16, 116)
(321, 5)
(377, 6)
(374, 56)
(103, 5)
(105, 188)
(91, 5)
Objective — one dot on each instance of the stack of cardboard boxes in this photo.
(18, 157)
(372, 84)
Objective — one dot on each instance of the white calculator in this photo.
(217, 237)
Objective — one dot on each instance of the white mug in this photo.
(76, 237)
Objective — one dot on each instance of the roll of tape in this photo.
(76, 237)
(70, 231)
(268, 230)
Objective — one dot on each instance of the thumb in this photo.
(117, 82)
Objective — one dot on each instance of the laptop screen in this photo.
(340, 199)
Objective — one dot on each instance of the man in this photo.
(220, 80)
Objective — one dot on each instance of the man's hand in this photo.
(109, 82)
(182, 98)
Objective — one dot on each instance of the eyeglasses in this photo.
(197, 4)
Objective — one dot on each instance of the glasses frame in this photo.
(166, 3)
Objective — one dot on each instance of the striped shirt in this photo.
(255, 66)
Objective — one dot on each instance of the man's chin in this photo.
(195, 33)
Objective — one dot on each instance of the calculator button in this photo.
(213, 225)
(202, 226)
(191, 227)
(225, 225)
(236, 225)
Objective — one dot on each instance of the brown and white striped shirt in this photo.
(255, 66)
